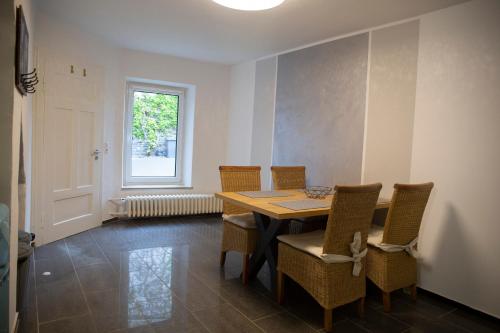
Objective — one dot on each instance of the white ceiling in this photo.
(203, 30)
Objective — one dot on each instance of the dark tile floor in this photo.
(163, 276)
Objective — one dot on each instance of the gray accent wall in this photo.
(263, 117)
(320, 110)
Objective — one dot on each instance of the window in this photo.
(154, 132)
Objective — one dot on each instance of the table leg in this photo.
(267, 247)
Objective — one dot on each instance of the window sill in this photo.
(166, 187)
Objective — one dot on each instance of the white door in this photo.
(71, 149)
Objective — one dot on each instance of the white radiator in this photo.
(175, 204)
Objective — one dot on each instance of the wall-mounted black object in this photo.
(25, 81)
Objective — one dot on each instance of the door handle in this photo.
(95, 154)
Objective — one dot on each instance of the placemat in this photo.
(264, 194)
(304, 204)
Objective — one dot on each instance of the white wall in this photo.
(57, 39)
(456, 129)
(212, 81)
(263, 118)
(434, 115)
(210, 116)
(239, 139)
(455, 144)
(7, 40)
(392, 80)
(22, 110)
(14, 209)
(27, 110)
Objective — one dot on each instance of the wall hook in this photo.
(29, 81)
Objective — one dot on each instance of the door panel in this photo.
(86, 145)
(72, 133)
(68, 209)
(60, 127)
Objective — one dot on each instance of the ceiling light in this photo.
(249, 4)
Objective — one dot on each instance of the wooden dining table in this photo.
(272, 220)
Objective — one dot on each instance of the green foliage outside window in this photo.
(155, 118)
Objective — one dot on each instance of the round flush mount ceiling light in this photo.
(250, 4)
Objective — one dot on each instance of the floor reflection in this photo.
(164, 276)
(149, 280)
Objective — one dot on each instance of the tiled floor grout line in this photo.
(200, 321)
(269, 315)
(412, 326)
(197, 261)
(120, 289)
(36, 293)
(446, 313)
(222, 297)
(361, 327)
(188, 309)
(228, 302)
(63, 318)
(410, 303)
(174, 294)
(453, 324)
(425, 316)
(102, 251)
(284, 310)
(307, 324)
(390, 315)
(197, 277)
(237, 310)
(81, 287)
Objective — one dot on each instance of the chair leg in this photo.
(413, 292)
(328, 320)
(222, 258)
(387, 301)
(361, 307)
(281, 287)
(246, 260)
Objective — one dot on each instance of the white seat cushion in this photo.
(375, 235)
(245, 220)
(309, 242)
(312, 243)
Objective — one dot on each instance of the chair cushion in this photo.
(375, 235)
(245, 220)
(309, 242)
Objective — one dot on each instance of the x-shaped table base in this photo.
(267, 246)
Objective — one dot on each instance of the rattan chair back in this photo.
(289, 177)
(238, 178)
(405, 213)
(352, 211)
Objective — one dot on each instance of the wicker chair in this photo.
(239, 231)
(329, 264)
(294, 178)
(288, 177)
(391, 259)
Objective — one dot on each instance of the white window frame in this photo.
(135, 181)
